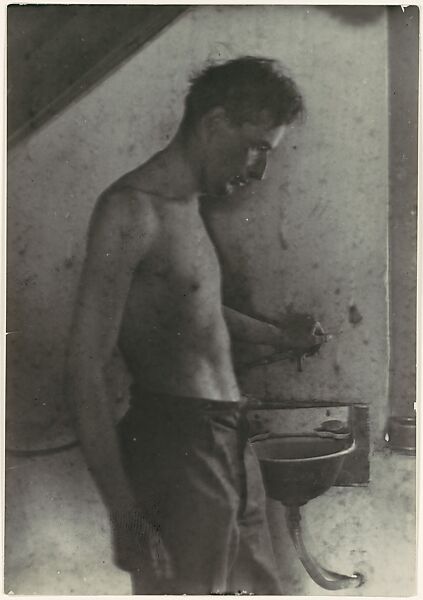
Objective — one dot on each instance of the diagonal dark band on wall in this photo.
(58, 53)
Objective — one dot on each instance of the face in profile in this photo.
(238, 154)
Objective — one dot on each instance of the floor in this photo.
(58, 542)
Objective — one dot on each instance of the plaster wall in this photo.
(312, 236)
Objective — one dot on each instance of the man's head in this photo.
(240, 110)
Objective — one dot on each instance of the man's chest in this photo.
(184, 257)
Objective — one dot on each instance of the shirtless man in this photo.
(178, 475)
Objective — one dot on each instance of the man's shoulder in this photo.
(145, 180)
(126, 202)
(123, 212)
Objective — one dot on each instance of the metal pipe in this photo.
(329, 580)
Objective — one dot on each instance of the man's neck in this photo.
(181, 159)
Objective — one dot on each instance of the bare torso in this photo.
(173, 335)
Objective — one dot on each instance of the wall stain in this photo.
(336, 368)
(354, 315)
(69, 262)
(282, 240)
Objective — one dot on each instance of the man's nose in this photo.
(257, 169)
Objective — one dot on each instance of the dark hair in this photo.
(243, 87)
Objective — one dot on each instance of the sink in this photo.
(297, 468)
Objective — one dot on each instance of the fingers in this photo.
(320, 334)
(137, 543)
(317, 329)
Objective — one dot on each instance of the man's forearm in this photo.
(98, 437)
(244, 328)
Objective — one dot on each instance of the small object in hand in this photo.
(305, 353)
(302, 355)
(317, 329)
(318, 332)
(302, 328)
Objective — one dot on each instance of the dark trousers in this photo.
(197, 479)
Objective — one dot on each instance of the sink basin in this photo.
(297, 468)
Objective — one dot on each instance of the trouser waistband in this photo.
(157, 401)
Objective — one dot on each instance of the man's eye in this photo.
(261, 148)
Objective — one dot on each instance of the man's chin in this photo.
(226, 190)
(220, 192)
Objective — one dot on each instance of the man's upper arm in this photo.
(121, 231)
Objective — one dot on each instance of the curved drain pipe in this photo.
(329, 580)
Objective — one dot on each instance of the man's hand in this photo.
(137, 543)
(301, 335)
(300, 332)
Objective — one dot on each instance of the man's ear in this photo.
(214, 121)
